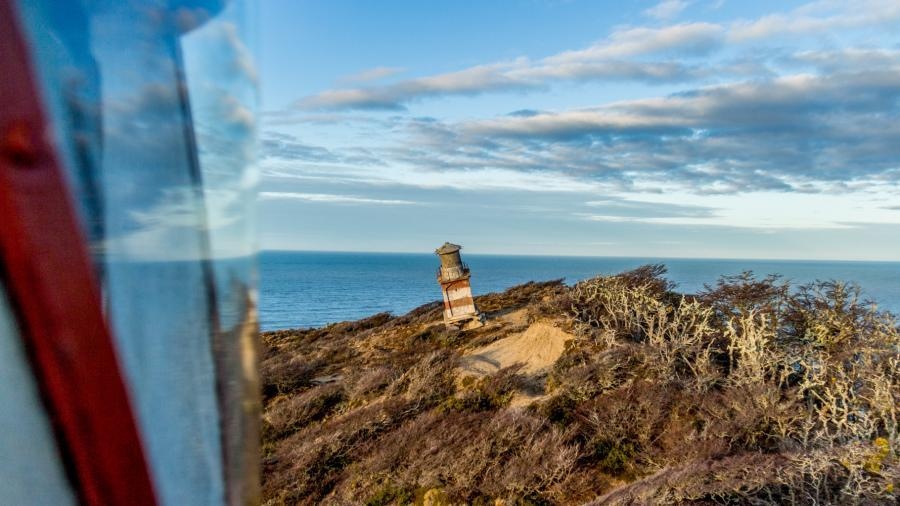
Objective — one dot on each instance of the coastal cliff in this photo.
(616, 390)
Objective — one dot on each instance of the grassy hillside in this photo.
(751, 392)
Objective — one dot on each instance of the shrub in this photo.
(735, 296)
(488, 393)
(747, 393)
(291, 414)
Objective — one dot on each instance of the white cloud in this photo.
(689, 38)
(787, 130)
(333, 199)
(819, 17)
(666, 10)
(624, 55)
(762, 210)
(785, 133)
(600, 61)
(373, 74)
(484, 179)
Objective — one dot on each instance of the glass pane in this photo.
(153, 107)
(31, 467)
(222, 88)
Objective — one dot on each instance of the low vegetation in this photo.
(751, 392)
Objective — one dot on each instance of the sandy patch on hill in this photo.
(538, 348)
(517, 317)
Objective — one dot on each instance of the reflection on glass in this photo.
(222, 81)
(31, 470)
(153, 105)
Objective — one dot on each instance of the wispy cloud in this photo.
(333, 199)
(641, 54)
(373, 74)
(666, 9)
(509, 76)
(601, 61)
(468, 81)
(477, 180)
(819, 17)
(723, 139)
(628, 208)
(789, 133)
(776, 133)
(696, 38)
(754, 210)
(710, 222)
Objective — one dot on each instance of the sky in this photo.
(680, 128)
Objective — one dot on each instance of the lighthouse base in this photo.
(468, 322)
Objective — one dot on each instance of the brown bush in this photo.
(293, 413)
(750, 392)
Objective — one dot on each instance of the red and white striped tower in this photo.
(453, 275)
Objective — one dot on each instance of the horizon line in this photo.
(562, 255)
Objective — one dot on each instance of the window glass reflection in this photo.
(32, 470)
(153, 107)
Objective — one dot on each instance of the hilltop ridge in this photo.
(616, 390)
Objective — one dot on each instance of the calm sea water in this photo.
(311, 289)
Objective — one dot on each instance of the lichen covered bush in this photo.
(750, 392)
(746, 367)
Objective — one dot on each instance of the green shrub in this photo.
(390, 494)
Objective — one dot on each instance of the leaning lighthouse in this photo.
(453, 275)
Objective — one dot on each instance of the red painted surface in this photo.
(47, 271)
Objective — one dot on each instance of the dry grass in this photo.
(752, 392)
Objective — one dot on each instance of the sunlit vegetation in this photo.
(751, 392)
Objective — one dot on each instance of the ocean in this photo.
(313, 289)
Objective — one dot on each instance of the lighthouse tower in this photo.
(453, 275)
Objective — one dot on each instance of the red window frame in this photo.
(47, 271)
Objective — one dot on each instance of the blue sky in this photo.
(669, 129)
